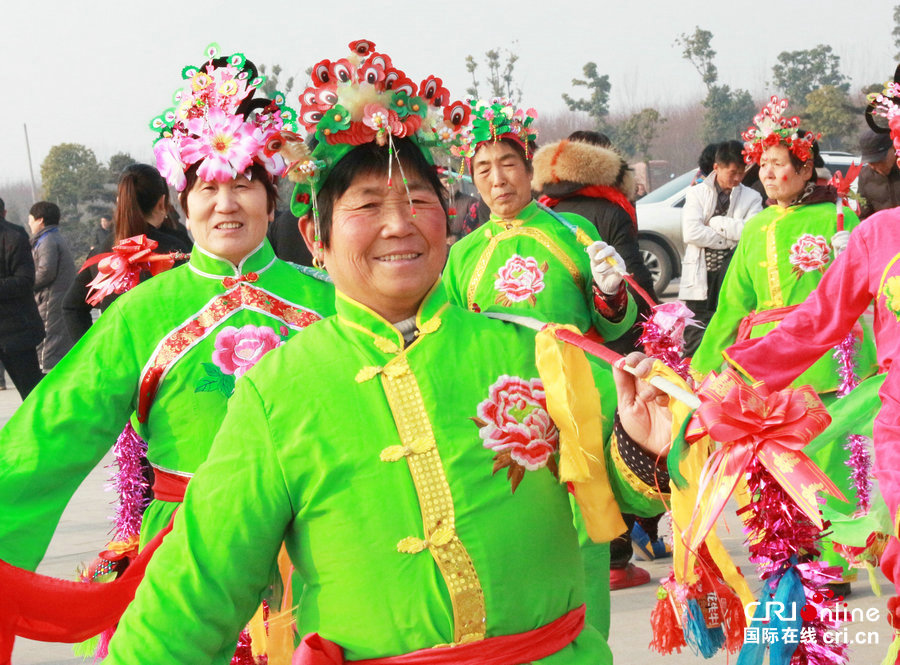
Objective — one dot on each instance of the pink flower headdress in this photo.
(218, 121)
(772, 128)
(886, 104)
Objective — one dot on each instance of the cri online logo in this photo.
(808, 612)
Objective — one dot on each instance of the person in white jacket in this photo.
(712, 219)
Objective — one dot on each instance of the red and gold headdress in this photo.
(359, 99)
(772, 128)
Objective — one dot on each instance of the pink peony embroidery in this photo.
(514, 423)
(809, 253)
(239, 349)
(519, 279)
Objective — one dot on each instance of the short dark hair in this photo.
(2, 207)
(257, 172)
(594, 138)
(707, 158)
(730, 152)
(373, 158)
(47, 211)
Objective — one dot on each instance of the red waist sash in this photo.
(169, 486)
(502, 650)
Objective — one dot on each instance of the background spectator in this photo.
(54, 273)
(879, 181)
(21, 329)
(712, 219)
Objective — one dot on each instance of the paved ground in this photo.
(85, 523)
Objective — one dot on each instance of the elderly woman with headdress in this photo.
(383, 486)
(168, 354)
(530, 261)
(781, 257)
(869, 271)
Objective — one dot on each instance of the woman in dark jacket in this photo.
(583, 176)
(142, 207)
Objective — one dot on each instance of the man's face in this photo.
(105, 223)
(729, 176)
(884, 166)
(35, 224)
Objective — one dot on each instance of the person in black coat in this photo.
(585, 176)
(142, 207)
(21, 328)
(582, 176)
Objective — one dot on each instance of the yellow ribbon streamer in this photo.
(574, 404)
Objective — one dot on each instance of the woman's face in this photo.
(502, 178)
(777, 174)
(228, 219)
(379, 253)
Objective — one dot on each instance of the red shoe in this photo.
(629, 576)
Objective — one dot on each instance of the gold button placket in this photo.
(435, 501)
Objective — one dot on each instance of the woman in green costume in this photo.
(780, 259)
(528, 260)
(167, 354)
(382, 486)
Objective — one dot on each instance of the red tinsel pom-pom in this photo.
(668, 636)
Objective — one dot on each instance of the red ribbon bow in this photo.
(229, 282)
(752, 421)
(120, 270)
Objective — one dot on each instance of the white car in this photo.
(659, 220)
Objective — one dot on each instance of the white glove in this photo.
(839, 242)
(606, 276)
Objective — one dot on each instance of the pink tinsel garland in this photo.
(777, 530)
(859, 461)
(845, 354)
(129, 482)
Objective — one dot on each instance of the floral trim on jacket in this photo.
(513, 422)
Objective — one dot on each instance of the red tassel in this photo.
(668, 636)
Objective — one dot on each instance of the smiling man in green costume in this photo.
(382, 485)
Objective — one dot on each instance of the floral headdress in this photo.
(886, 104)
(360, 99)
(772, 129)
(498, 119)
(218, 120)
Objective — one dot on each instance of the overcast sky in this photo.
(96, 72)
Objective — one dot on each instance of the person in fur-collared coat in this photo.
(583, 175)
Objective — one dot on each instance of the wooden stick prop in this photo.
(600, 351)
